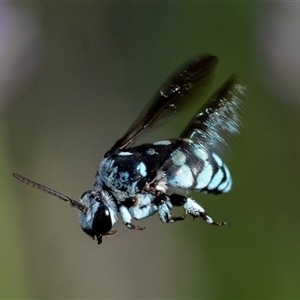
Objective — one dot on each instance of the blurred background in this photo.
(74, 76)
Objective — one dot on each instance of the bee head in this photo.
(98, 218)
(97, 211)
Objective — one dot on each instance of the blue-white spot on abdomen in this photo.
(183, 178)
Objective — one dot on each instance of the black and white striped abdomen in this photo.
(193, 167)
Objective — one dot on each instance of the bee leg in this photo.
(194, 209)
(132, 226)
(164, 207)
(126, 217)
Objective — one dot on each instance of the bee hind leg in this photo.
(194, 209)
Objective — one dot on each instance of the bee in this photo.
(135, 181)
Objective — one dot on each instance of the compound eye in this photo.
(102, 220)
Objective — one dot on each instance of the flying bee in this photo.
(134, 181)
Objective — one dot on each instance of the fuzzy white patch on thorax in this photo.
(141, 168)
(165, 142)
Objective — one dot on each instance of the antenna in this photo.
(54, 193)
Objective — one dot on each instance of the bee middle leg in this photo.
(164, 205)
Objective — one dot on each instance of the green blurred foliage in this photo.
(99, 64)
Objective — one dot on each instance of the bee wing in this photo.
(194, 76)
(219, 117)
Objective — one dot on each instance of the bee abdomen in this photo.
(193, 167)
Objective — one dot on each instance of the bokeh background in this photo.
(73, 76)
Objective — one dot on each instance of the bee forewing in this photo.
(195, 76)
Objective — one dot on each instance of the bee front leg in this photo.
(126, 217)
(194, 209)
